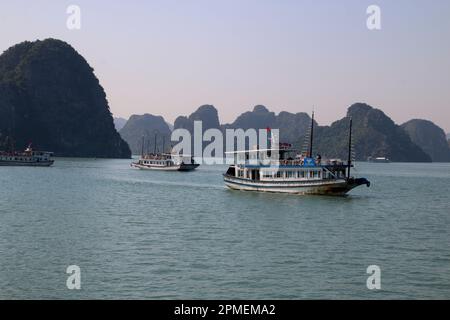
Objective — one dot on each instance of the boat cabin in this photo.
(284, 164)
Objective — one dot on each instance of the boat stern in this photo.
(356, 182)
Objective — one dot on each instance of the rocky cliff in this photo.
(50, 95)
(374, 135)
(146, 127)
(430, 138)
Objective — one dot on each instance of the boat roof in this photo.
(260, 150)
(177, 155)
(167, 154)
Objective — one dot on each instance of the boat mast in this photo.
(349, 161)
(143, 141)
(155, 144)
(311, 136)
(12, 132)
(164, 142)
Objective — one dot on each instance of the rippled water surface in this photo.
(160, 235)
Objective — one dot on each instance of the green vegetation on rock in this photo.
(50, 95)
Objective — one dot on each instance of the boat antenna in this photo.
(349, 161)
(311, 135)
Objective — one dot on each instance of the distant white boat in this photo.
(165, 162)
(27, 158)
(379, 160)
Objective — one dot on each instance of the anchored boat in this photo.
(166, 162)
(29, 158)
(378, 160)
(290, 172)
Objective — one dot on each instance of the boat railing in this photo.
(296, 162)
(155, 157)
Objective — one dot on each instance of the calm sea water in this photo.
(161, 235)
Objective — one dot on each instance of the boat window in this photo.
(267, 174)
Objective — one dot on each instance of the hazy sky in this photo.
(169, 57)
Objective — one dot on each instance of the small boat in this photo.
(378, 160)
(166, 162)
(290, 172)
(28, 158)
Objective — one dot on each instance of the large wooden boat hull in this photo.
(26, 164)
(337, 187)
(178, 167)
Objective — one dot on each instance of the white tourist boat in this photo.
(29, 158)
(255, 170)
(378, 160)
(166, 162)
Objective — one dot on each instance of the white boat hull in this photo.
(338, 187)
(26, 164)
(177, 167)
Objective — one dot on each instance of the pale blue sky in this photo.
(169, 57)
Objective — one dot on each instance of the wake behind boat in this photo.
(255, 170)
(28, 158)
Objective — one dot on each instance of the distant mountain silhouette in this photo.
(119, 123)
(49, 95)
(146, 126)
(209, 117)
(170, 126)
(430, 138)
(374, 135)
(293, 127)
(207, 114)
(259, 118)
